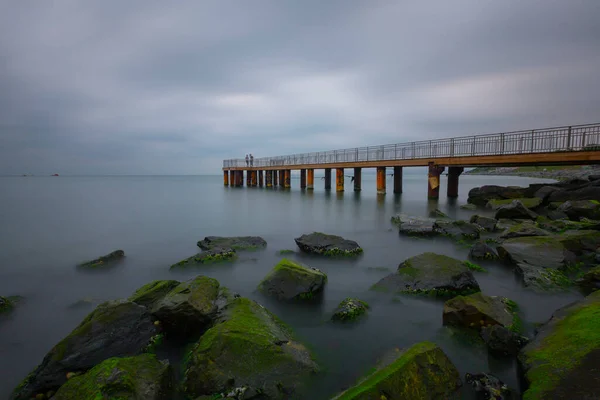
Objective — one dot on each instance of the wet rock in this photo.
(6, 305)
(478, 310)
(470, 207)
(457, 229)
(501, 340)
(487, 386)
(557, 215)
(527, 202)
(588, 192)
(415, 226)
(576, 209)
(524, 229)
(487, 223)
(544, 192)
(481, 195)
(590, 281)
(189, 307)
(594, 177)
(237, 243)
(515, 210)
(483, 251)
(350, 310)
(328, 245)
(139, 377)
(437, 214)
(423, 371)
(215, 254)
(563, 359)
(85, 303)
(114, 329)
(104, 261)
(248, 346)
(149, 294)
(290, 280)
(432, 274)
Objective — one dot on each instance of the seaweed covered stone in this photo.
(531, 202)
(213, 255)
(524, 229)
(482, 251)
(6, 305)
(423, 371)
(290, 280)
(458, 229)
(237, 243)
(563, 359)
(429, 273)
(590, 280)
(515, 210)
(128, 378)
(190, 306)
(114, 329)
(248, 346)
(478, 310)
(149, 294)
(328, 245)
(104, 261)
(350, 310)
(487, 223)
(501, 340)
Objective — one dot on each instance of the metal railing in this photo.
(558, 139)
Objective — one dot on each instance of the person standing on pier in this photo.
(251, 160)
(246, 160)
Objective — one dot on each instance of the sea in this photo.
(50, 224)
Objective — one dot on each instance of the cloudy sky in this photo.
(157, 87)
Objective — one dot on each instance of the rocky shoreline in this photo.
(558, 173)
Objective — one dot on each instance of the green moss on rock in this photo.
(212, 256)
(152, 292)
(529, 202)
(290, 280)
(6, 305)
(478, 310)
(350, 310)
(474, 267)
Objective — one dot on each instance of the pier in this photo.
(566, 145)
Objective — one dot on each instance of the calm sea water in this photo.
(48, 224)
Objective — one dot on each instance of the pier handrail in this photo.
(547, 140)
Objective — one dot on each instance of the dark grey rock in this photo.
(481, 195)
(237, 243)
(415, 226)
(323, 244)
(527, 228)
(437, 214)
(487, 223)
(290, 280)
(487, 386)
(577, 209)
(458, 229)
(501, 340)
(588, 192)
(104, 261)
(515, 210)
(482, 251)
(350, 310)
(214, 255)
(545, 191)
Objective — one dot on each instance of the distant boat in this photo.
(55, 175)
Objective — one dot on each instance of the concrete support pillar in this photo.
(327, 178)
(232, 178)
(282, 178)
(397, 179)
(226, 178)
(357, 179)
(453, 174)
(433, 181)
(310, 185)
(302, 179)
(253, 176)
(275, 179)
(248, 179)
(269, 178)
(339, 179)
(260, 178)
(286, 175)
(380, 180)
(239, 178)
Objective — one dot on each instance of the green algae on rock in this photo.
(214, 255)
(563, 359)
(152, 292)
(248, 346)
(421, 372)
(430, 274)
(474, 267)
(104, 261)
(238, 243)
(531, 202)
(350, 310)
(327, 245)
(478, 310)
(589, 281)
(290, 280)
(129, 378)
(6, 305)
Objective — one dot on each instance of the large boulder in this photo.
(215, 254)
(544, 192)
(430, 273)
(415, 226)
(526, 228)
(563, 359)
(577, 209)
(189, 307)
(482, 251)
(423, 371)
(529, 202)
(488, 386)
(458, 229)
(487, 223)
(234, 242)
(250, 347)
(478, 310)
(481, 195)
(590, 191)
(129, 378)
(289, 280)
(350, 310)
(515, 210)
(114, 329)
(328, 245)
(104, 261)
(501, 340)
(590, 280)
(149, 294)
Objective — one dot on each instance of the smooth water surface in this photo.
(49, 224)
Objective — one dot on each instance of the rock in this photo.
(487, 223)
(544, 192)
(215, 254)
(501, 340)
(423, 371)
(85, 303)
(594, 177)
(489, 387)
(557, 215)
(350, 310)
(415, 226)
(478, 310)
(481, 195)
(524, 229)
(457, 229)
(114, 329)
(470, 207)
(248, 346)
(482, 251)
(130, 378)
(6, 305)
(328, 245)
(563, 359)
(104, 261)
(515, 210)
(588, 192)
(149, 294)
(527, 202)
(432, 274)
(289, 280)
(437, 214)
(189, 307)
(590, 281)
(563, 225)
(235, 242)
(576, 209)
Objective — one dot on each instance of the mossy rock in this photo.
(562, 225)
(6, 305)
(421, 372)
(590, 280)
(248, 346)
(458, 229)
(289, 280)
(577, 209)
(106, 261)
(327, 245)
(482, 251)
(285, 252)
(470, 207)
(479, 310)
(530, 203)
(152, 292)
(129, 378)
(114, 329)
(214, 255)
(524, 229)
(350, 310)
(563, 359)
(238, 243)
(430, 274)
(487, 223)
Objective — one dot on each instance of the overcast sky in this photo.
(174, 87)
